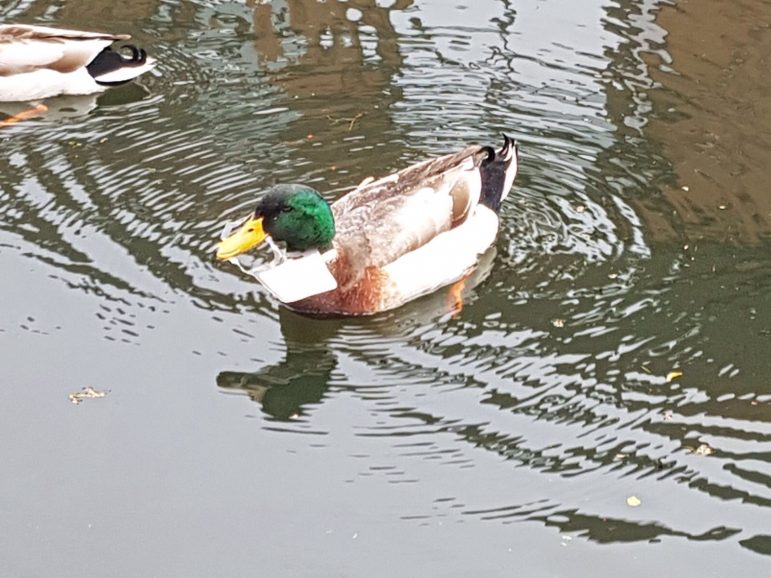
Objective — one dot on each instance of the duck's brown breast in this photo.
(363, 298)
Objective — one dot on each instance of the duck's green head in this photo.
(295, 214)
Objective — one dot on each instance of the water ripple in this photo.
(589, 355)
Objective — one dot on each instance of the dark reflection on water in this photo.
(286, 389)
(301, 378)
(556, 375)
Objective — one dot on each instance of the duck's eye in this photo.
(286, 209)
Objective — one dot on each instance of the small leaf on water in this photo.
(633, 501)
(703, 450)
(672, 375)
(86, 393)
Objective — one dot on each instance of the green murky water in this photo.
(239, 439)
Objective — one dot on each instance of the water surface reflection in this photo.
(549, 397)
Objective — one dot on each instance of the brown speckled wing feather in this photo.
(382, 220)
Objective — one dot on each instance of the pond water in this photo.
(600, 405)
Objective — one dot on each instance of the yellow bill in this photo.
(249, 235)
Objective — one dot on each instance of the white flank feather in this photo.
(446, 258)
(511, 172)
(44, 83)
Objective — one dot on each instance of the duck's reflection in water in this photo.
(73, 106)
(300, 379)
(290, 388)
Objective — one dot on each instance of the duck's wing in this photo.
(382, 220)
(25, 48)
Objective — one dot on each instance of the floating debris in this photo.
(704, 450)
(558, 322)
(633, 501)
(86, 393)
(672, 375)
(351, 121)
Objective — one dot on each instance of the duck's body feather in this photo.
(414, 231)
(445, 259)
(39, 62)
(386, 242)
(381, 220)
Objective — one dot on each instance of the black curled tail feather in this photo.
(108, 60)
(497, 173)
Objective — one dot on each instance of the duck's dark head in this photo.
(295, 214)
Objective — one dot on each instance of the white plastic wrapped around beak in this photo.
(288, 278)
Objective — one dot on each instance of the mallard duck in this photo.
(39, 62)
(386, 242)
